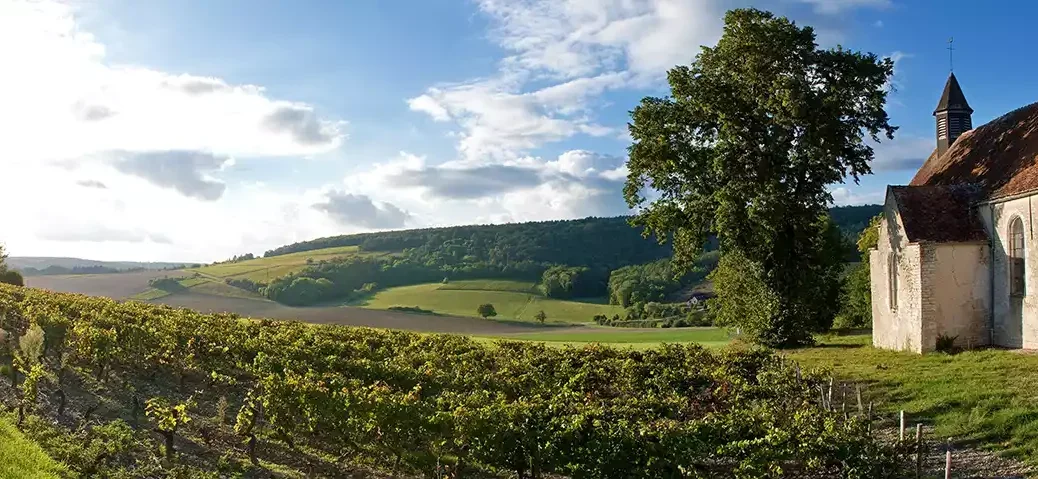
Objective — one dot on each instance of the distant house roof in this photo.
(1000, 158)
(939, 213)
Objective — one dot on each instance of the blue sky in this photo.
(195, 130)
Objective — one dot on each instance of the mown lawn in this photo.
(990, 396)
(512, 301)
(21, 458)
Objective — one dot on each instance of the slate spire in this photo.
(953, 113)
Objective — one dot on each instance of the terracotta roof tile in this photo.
(1000, 157)
(939, 213)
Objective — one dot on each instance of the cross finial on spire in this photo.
(951, 54)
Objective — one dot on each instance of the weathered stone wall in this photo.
(955, 293)
(1015, 317)
(899, 328)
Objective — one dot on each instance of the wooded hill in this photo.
(607, 241)
(572, 258)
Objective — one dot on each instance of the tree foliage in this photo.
(856, 304)
(486, 310)
(8, 276)
(755, 130)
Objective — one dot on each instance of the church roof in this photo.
(952, 98)
(1001, 157)
(939, 213)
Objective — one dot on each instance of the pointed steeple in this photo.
(954, 115)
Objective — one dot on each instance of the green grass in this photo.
(150, 294)
(266, 269)
(491, 285)
(623, 337)
(512, 301)
(20, 458)
(219, 288)
(987, 396)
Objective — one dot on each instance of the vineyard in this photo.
(136, 390)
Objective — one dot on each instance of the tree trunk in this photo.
(252, 450)
(169, 444)
(61, 402)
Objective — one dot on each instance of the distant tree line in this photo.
(96, 269)
(592, 257)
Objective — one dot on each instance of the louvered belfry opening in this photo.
(953, 113)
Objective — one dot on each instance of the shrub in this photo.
(486, 310)
(946, 344)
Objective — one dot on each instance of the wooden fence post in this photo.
(918, 451)
(901, 429)
(829, 399)
(870, 417)
(947, 461)
(843, 398)
(861, 406)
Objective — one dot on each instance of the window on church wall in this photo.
(892, 280)
(1017, 285)
(942, 128)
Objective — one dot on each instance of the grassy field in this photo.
(513, 300)
(987, 396)
(23, 459)
(624, 337)
(266, 269)
(491, 285)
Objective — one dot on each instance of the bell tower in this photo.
(954, 115)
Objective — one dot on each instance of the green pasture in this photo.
(622, 337)
(266, 269)
(514, 300)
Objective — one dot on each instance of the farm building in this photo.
(956, 254)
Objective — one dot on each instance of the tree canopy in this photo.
(755, 130)
(8, 276)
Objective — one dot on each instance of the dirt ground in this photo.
(124, 285)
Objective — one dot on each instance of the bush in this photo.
(12, 277)
(946, 344)
(486, 310)
(411, 309)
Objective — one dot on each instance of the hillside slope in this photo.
(601, 240)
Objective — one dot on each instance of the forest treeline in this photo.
(574, 258)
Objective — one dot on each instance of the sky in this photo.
(194, 130)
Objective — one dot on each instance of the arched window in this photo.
(892, 280)
(1017, 286)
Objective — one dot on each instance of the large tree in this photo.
(8, 276)
(754, 131)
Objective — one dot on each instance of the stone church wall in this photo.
(1015, 318)
(900, 327)
(956, 282)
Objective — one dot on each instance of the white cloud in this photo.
(576, 38)
(574, 184)
(429, 105)
(844, 196)
(500, 122)
(116, 161)
(61, 100)
(359, 210)
(904, 153)
(838, 6)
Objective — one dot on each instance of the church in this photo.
(956, 257)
